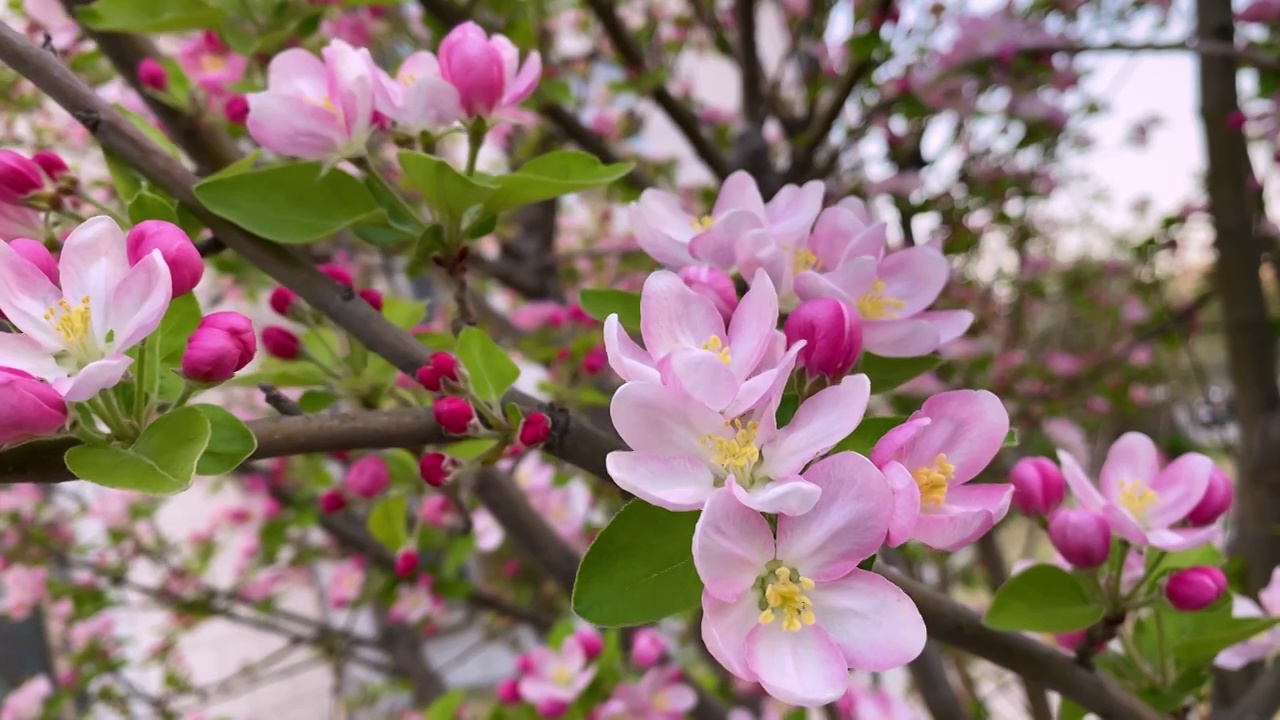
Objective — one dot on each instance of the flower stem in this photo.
(475, 139)
(99, 206)
(371, 168)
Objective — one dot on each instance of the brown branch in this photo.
(1260, 702)
(753, 105)
(404, 645)
(997, 572)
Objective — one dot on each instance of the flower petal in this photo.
(952, 527)
(871, 620)
(804, 667)
(739, 192)
(1176, 540)
(847, 525)
(900, 338)
(718, 244)
(753, 326)
(662, 228)
(657, 419)
(673, 316)
(731, 546)
(1180, 487)
(675, 482)
(1125, 525)
(906, 503)
(847, 282)
(298, 72)
(915, 276)
(783, 496)
(1132, 458)
(26, 294)
(628, 360)
(765, 389)
(294, 127)
(23, 352)
(138, 303)
(949, 324)
(1081, 487)
(93, 378)
(725, 627)
(889, 444)
(821, 421)
(969, 427)
(700, 374)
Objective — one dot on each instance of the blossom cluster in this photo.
(784, 526)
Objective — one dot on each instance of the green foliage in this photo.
(161, 462)
(489, 368)
(639, 569)
(150, 16)
(446, 706)
(387, 521)
(868, 433)
(888, 373)
(230, 441)
(449, 193)
(601, 303)
(552, 175)
(1043, 598)
(293, 204)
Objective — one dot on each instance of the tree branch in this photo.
(749, 63)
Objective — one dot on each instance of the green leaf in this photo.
(639, 569)
(1042, 598)
(600, 304)
(888, 373)
(127, 181)
(147, 205)
(446, 706)
(489, 368)
(1198, 637)
(153, 133)
(292, 204)
(161, 462)
(868, 433)
(404, 314)
(150, 16)
(449, 193)
(231, 442)
(1160, 562)
(180, 320)
(470, 449)
(1069, 710)
(314, 401)
(549, 176)
(283, 373)
(387, 521)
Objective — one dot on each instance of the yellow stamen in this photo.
(804, 259)
(933, 481)
(716, 345)
(788, 597)
(876, 305)
(561, 675)
(213, 63)
(72, 323)
(737, 453)
(1137, 498)
(703, 223)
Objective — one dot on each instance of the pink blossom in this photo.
(659, 695)
(17, 221)
(486, 70)
(687, 345)
(1258, 647)
(99, 629)
(52, 17)
(668, 234)
(24, 589)
(557, 676)
(865, 701)
(262, 585)
(27, 701)
(418, 99)
(346, 582)
(678, 461)
(210, 64)
(1260, 11)
(930, 459)
(316, 108)
(414, 602)
(822, 615)
(1141, 501)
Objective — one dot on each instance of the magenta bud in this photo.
(32, 408)
(282, 299)
(1216, 501)
(713, 284)
(373, 297)
(152, 74)
(236, 110)
(436, 468)
(50, 162)
(186, 267)
(551, 708)
(647, 648)
(1082, 537)
(832, 333)
(406, 563)
(525, 664)
(535, 429)
(222, 344)
(332, 501)
(1038, 486)
(339, 274)
(475, 67)
(590, 641)
(281, 342)
(368, 477)
(1236, 120)
(240, 330)
(454, 414)
(37, 254)
(1195, 588)
(508, 692)
(19, 177)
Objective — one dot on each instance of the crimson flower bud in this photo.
(832, 333)
(445, 365)
(594, 360)
(508, 692)
(152, 74)
(332, 501)
(535, 429)
(1217, 499)
(373, 297)
(282, 300)
(406, 563)
(1082, 537)
(1236, 120)
(37, 254)
(186, 267)
(454, 414)
(340, 274)
(713, 284)
(1038, 486)
(1195, 588)
(551, 708)
(647, 648)
(19, 177)
(240, 328)
(32, 408)
(436, 468)
(222, 344)
(236, 110)
(281, 342)
(590, 641)
(50, 162)
(368, 477)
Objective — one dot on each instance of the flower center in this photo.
(406, 78)
(702, 224)
(211, 63)
(782, 596)
(72, 323)
(561, 675)
(933, 481)
(803, 259)
(1137, 498)
(876, 305)
(736, 454)
(717, 346)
